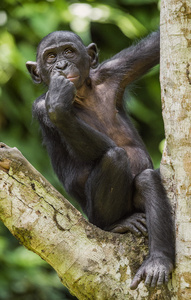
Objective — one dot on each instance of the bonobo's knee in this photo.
(116, 155)
(148, 177)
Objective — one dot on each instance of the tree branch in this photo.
(92, 263)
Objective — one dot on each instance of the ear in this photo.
(93, 53)
(32, 68)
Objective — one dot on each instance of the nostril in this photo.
(62, 65)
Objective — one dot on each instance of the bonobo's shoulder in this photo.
(103, 71)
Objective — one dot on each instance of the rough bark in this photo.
(92, 263)
(176, 163)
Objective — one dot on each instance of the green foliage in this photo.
(24, 275)
(113, 25)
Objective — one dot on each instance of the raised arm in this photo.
(131, 63)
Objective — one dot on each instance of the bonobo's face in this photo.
(63, 52)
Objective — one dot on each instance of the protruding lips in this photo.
(72, 78)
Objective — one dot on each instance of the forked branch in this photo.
(92, 263)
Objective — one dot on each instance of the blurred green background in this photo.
(113, 25)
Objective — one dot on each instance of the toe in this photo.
(136, 280)
(148, 279)
(161, 278)
(154, 279)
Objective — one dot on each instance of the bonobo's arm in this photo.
(89, 143)
(131, 63)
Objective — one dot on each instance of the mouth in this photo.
(72, 78)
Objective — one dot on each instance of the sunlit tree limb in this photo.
(92, 263)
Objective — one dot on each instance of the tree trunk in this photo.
(176, 102)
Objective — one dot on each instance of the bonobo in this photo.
(94, 148)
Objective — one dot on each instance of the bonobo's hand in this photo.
(155, 271)
(60, 96)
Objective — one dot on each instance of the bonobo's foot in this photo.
(155, 271)
(135, 224)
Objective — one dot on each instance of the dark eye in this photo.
(51, 57)
(69, 52)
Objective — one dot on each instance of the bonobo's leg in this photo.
(109, 188)
(151, 197)
(109, 191)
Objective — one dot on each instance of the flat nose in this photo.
(62, 65)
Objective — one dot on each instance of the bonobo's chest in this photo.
(97, 108)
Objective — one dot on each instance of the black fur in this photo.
(94, 148)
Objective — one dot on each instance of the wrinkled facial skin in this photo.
(64, 54)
